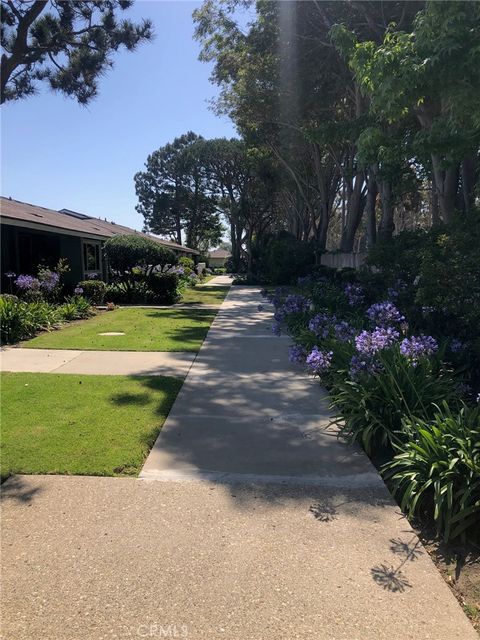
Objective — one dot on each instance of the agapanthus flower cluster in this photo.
(296, 304)
(394, 292)
(49, 280)
(276, 329)
(369, 343)
(78, 291)
(360, 364)
(354, 294)
(343, 331)
(321, 324)
(385, 313)
(456, 345)
(26, 283)
(319, 361)
(296, 353)
(417, 347)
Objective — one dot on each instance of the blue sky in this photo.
(57, 154)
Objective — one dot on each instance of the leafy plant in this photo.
(93, 290)
(372, 407)
(440, 464)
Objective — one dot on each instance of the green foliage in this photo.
(186, 263)
(372, 408)
(450, 275)
(94, 290)
(127, 252)
(68, 44)
(439, 465)
(287, 258)
(164, 287)
(176, 194)
(22, 320)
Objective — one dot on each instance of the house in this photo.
(218, 258)
(33, 235)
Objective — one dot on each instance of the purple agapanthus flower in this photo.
(78, 291)
(319, 361)
(320, 324)
(384, 313)
(296, 353)
(296, 304)
(49, 280)
(360, 364)
(343, 331)
(27, 283)
(276, 329)
(456, 345)
(354, 294)
(417, 347)
(370, 342)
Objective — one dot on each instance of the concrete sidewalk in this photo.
(120, 363)
(251, 522)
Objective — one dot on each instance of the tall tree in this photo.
(176, 195)
(66, 43)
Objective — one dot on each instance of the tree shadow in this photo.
(15, 488)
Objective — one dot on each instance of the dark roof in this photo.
(67, 220)
(219, 253)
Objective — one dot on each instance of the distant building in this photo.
(218, 258)
(32, 235)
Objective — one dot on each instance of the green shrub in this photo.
(164, 287)
(372, 407)
(438, 467)
(186, 263)
(287, 258)
(399, 258)
(93, 290)
(450, 277)
(125, 252)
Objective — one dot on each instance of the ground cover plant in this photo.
(145, 329)
(72, 424)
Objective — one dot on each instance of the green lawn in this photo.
(72, 424)
(145, 330)
(204, 295)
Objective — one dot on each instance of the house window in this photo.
(91, 257)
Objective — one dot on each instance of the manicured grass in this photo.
(87, 425)
(204, 295)
(145, 330)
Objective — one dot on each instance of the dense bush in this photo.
(127, 252)
(164, 287)
(438, 468)
(287, 258)
(20, 320)
(449, 280)
(93, 290)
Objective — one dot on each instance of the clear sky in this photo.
(58, 154)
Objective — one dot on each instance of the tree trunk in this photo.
(386, 226)
(370, 210)
(355, 208)
(446, 182)
(434, 212)
(468, 171)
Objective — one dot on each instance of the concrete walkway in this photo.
(121, 363)
(255, 524)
